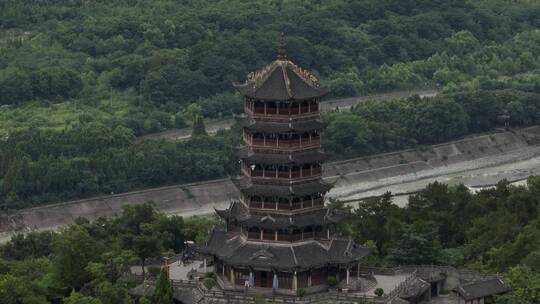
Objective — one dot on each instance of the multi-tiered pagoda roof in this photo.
(279, 233)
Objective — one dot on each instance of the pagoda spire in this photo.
(281, 52)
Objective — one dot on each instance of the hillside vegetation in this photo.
(80, 80)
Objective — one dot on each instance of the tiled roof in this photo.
(304, 255)
(245, 185)
(415, 288)
(280, 127)
(281, 80)
(239, 212)
(302, 157)
(482, 289)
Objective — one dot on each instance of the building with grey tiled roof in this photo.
(280, 235)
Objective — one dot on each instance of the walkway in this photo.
(387, 283)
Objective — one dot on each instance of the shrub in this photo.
(210, 275)
(332, 281)
(209, 283)
(300, 292)
(379, 292)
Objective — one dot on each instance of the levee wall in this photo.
(199, 198)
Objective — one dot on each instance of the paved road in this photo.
(342, 104)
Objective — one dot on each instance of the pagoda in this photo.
(279, 234)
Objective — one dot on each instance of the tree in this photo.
(19, 290)
(199, 128)
(416, 245)
(525, 285)
(163, 293)
(73, 250)
(146, 246)
(437, 120)
(77, 298)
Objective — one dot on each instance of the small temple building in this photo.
(280, 235)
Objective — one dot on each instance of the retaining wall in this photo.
(202, 197)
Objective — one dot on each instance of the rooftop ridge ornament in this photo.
(281, 52)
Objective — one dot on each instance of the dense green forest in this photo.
(81, 80)
(493, 230)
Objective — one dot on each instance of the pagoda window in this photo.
(295, 172)
(318, 276)
(313, 106)
(318, 202)
(284, 204)
(308, 233)
(283, 108)
(271, 107)
(295, 140)
(270, 139)
(318, 231)
(258, 107)
(316, 169)
(283, 236)
(302, 279)
(256, 202)
(257, 170)
(304, 107)
(296, 235)
(269, 235)
(284, 172)
(314, 135)
(270, 202)
(306, 170)
(258, 139)
(304, 138)
(307, 202)
(296, 203)
(295, 108)
(254, 233)
(270, 171)
(240, 276)
(285, 280)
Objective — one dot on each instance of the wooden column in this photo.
(204, 265)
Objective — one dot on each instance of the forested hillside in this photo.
(80, 80)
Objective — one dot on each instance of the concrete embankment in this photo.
(405, 171)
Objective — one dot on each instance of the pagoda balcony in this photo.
(283, 144)
(283, 173)
(287, 206)
(284, 109)
(297, 235)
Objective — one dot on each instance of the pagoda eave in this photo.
(245, 185)
(303, 157)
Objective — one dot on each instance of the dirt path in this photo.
(213, 126)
